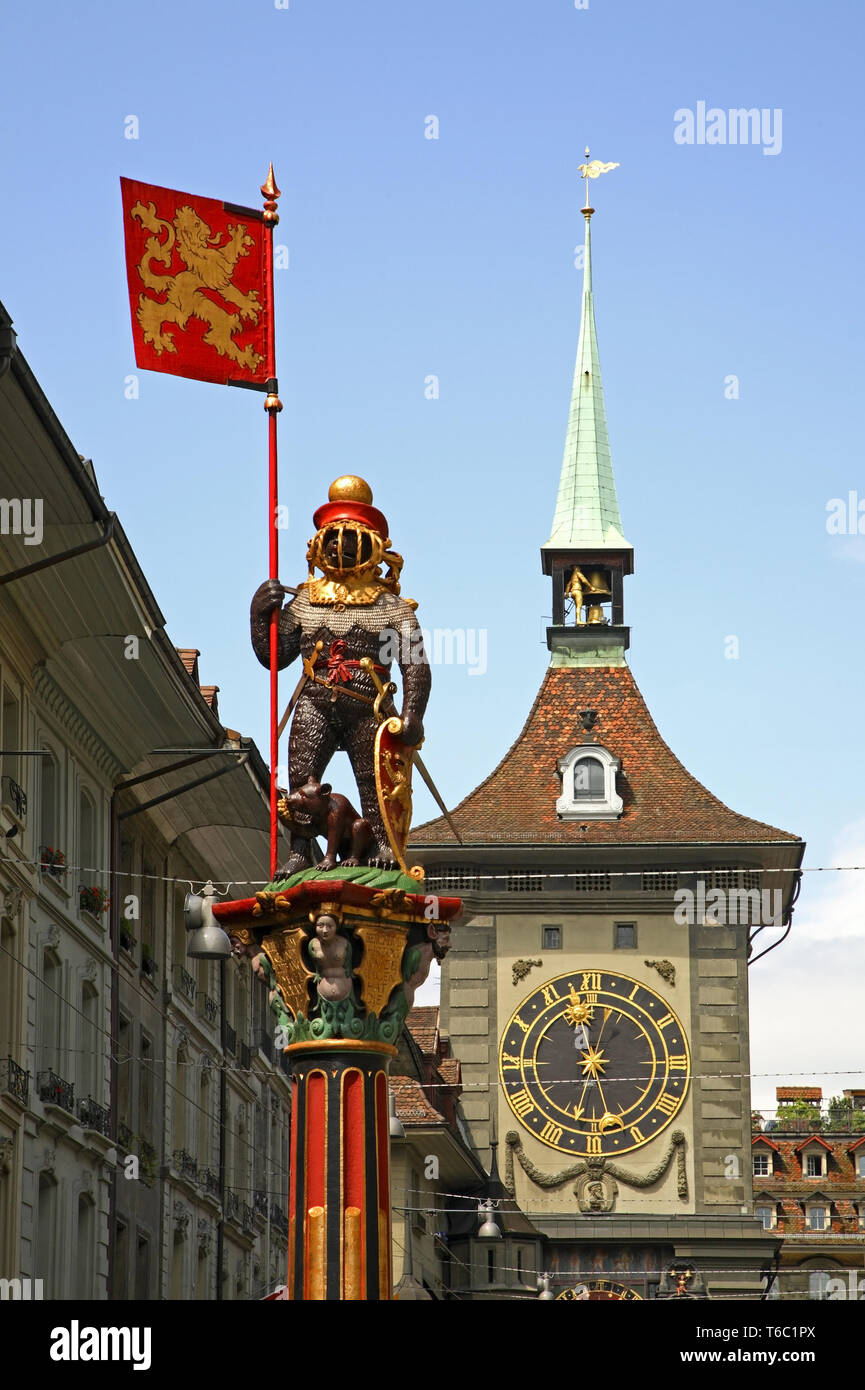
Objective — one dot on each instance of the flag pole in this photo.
(273, 405)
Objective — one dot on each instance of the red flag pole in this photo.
(273, 406)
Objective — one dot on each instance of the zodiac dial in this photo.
(594, 1063)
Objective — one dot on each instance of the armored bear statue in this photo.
(333, 623)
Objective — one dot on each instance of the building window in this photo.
(818, 1218)
(860, 1165)
(767, 1216)
(814, 1165)
(588, 776)
(626, 936)
(49, 828)
(87, 834)
(762, 1166)
(551, 938)
(84, 1249)
(589, 780)
(524, 883)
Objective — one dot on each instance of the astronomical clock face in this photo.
(594, 1063)
(598, 1290)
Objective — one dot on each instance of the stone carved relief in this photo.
(596, 1186)
(90, 970)
(181, 1220)
(665, 969)
(6, 1155)
(521, 968)
(205, 1238)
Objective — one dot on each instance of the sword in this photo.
(369, 666)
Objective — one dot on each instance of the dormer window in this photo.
(588, 776)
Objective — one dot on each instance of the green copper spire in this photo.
(587, 509)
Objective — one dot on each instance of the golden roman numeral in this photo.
(593, 1143)
(552, 1133)
(633, 991)
(509, 1061)
(666, 1021)
(591, 998)
(519, 1022)
(667, 1104)
(678, 1064)
(550, 996)
(591, 979)
(637, 1135)
(521, 1103)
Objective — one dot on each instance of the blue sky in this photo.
(454, 257)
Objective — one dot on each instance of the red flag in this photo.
(196, 269)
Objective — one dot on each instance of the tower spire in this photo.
(587, 509)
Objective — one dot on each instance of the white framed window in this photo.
(551, 938)
(762, 1163)
(768, 1216)
(815, 1165)
(588, 776)
(818, 1218)
(860, 1164)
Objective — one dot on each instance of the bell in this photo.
(598, 584)
(595, 614)
(206, 940)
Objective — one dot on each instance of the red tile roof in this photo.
(785, 1093)
(423, 1024)
(189, 656)
(662, 801)
(412, 1105)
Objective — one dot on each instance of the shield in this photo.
(393, 769)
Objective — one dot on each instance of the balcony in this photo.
(232, 1205)
(14, 797)
(94, 1116)
(279, 1219)
(210, 1182)
(185, 983)
(53, 1090)
(208, 1008)
(186, 1165)
(229, 1038)
(15, 1080)
(247, 1216)
(128, 941)
(265, 1042)
(259, 1203)
(243, 1056)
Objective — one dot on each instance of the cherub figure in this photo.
(332, 956)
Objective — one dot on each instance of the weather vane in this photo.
(592, 170)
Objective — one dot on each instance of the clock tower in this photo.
(597, 995)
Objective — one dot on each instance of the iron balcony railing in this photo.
(279, 1219)
(229, 1038)
(259, 1202)
(232, 1205)
(186, 1165)
(210, 1181)
(247, 1216)
(14, 796)
(208, 1007)
(185, 983)
(16, 1081)
(94, 1116)
(55, 1091)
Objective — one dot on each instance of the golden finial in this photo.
(593, 170)
(270, 193)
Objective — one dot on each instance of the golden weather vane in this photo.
(592, 170)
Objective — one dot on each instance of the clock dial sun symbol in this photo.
(594, 1063)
